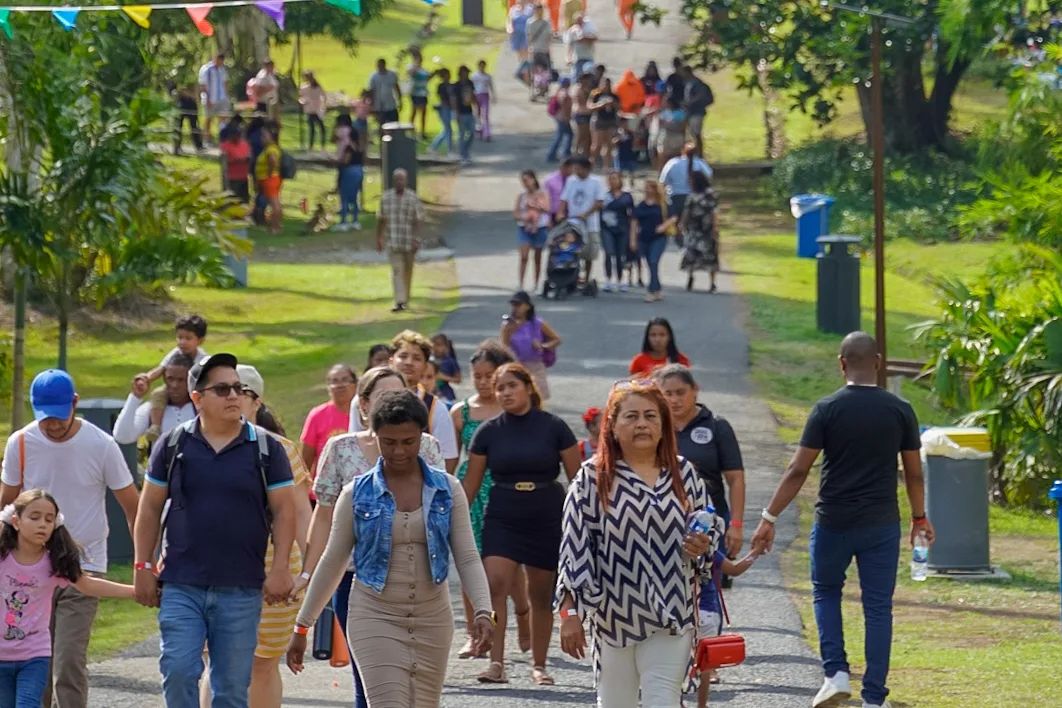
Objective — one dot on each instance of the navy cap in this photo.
(199, 371)
(52, 395)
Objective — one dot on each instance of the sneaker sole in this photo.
(837, 699)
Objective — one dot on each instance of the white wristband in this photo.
(768, 516)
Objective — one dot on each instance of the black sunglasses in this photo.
(224, 390)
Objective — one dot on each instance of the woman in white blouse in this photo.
(628, 561)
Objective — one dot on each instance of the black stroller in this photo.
(568, 249)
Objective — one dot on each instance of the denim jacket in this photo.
(374, 511)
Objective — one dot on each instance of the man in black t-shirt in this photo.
(860, 429)
(465, 95)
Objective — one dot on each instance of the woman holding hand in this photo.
(630, 508)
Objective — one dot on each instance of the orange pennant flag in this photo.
(138, 14)
(198, 14)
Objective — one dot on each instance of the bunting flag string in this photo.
(66, 15)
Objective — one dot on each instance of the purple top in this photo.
(554, 185)
(523, 339)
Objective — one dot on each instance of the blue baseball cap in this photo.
(52, 395)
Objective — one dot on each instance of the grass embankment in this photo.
(956, 643)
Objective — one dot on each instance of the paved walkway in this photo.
(600, 335)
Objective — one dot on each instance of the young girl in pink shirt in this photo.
(37, 555)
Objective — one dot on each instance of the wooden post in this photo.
(298, 78)
(877, 138)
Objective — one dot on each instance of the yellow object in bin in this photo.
(975, 438)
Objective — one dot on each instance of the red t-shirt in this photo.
(644, 364)
(237, 158)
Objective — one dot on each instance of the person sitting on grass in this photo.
(191, 330)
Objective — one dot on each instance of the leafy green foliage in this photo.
(923, 191)
(998, 350)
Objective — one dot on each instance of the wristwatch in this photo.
(768, 516)
(492, 616)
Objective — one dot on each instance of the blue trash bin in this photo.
(812, 212)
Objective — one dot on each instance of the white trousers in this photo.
(655, 667)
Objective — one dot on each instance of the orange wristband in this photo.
(299, 629)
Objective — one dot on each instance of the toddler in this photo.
(191, 331)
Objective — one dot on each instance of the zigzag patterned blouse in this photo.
(624, 567)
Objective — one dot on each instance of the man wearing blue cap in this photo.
(75, 462)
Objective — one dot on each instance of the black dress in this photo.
(524, 526)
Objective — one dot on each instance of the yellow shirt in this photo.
(261, 166)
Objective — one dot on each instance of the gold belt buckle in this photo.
(524, 486)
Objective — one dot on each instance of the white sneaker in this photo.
(834, 692)
(607, 287)
(356, 225)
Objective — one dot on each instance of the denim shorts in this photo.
(534, 240)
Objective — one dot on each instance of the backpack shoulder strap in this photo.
(429, 403)
(261, 436)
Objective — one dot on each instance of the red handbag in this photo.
(722, 651)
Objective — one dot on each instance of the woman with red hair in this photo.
(628, 559)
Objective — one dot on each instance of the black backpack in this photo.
(288, 168)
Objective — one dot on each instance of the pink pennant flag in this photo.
(198, 13)
(274, 9)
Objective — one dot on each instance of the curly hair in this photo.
(62, 549)
(416, 339)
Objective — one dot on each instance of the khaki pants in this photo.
(402, 274)
(72, 616)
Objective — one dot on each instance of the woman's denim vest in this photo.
(374, 511)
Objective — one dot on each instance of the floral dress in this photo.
(702, 248)
(477, 509)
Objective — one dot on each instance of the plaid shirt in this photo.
(401, 213)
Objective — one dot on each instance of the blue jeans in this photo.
(340, 605)
(652, 252)
(563, 137)
(22, 683)
(350, 179)
(446, 115)
(226, 620)
(876, 550)
(615, 243)
(466, 126)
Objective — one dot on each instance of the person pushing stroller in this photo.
(582, 199)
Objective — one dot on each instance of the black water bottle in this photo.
(322, 635)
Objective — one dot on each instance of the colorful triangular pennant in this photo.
(274, 9)
(348, 5)
(5, 23)
(198, 13)
(67, 19)
(138, 14)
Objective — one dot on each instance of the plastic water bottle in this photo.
(920, 557)
(703, 521)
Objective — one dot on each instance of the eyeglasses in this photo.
(224, 390)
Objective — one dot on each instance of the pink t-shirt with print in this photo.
(323, 422)
(26, 591)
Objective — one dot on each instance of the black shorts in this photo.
(419, 101)
(387, 116)
(541, 59)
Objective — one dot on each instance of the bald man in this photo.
(860, 429)
(397, 230)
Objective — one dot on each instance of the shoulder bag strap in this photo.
(722, 601)
(21, 459)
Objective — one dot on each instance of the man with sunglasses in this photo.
(227, 491)
(77, 463)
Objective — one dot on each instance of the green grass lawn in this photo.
(955, 643)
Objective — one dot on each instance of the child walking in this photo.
(483, 84)
(191, 330)
(592, 421)
(449, 371)
(37, 555)
(709, 610)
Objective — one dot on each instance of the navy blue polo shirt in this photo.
(708, 441)
(217, 527)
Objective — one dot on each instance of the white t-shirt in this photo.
(135, 419)
(481, 82)
(176, 352)
(580, 194)
(77, 473)
(441, 427)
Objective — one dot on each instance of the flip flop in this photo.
(492, 676)
(540, 677)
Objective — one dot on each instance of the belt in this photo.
(524, 486)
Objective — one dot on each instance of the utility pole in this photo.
(877, 138)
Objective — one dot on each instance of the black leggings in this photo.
(316, 122)
(615, 244)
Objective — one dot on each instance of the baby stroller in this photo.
(542, 75)
(568, 249)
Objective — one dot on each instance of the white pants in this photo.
(655, 666)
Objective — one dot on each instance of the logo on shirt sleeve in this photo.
(701, 436)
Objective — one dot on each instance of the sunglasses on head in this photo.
(628, 384)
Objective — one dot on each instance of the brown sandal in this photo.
(523, 630)
(540, 677)
(494, 674)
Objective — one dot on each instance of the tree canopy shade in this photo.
(813, 52)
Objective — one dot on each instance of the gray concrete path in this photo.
(600, 336)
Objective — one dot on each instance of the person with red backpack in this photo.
(560, 109)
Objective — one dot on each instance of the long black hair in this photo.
(62, 549)
(672, 348)
(269, 420)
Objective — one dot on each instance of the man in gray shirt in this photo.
(539, 36)
(386, 94)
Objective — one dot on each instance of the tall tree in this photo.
(814, 53)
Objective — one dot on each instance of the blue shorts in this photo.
(534, 240)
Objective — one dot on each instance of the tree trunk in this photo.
(914, 121)
(64, 329)
(15, 152)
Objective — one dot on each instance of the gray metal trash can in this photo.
(957, 504)
(837, 308)
(398, 149)
(102, 412)
(472, 13)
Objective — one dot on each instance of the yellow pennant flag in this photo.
(138, 14)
